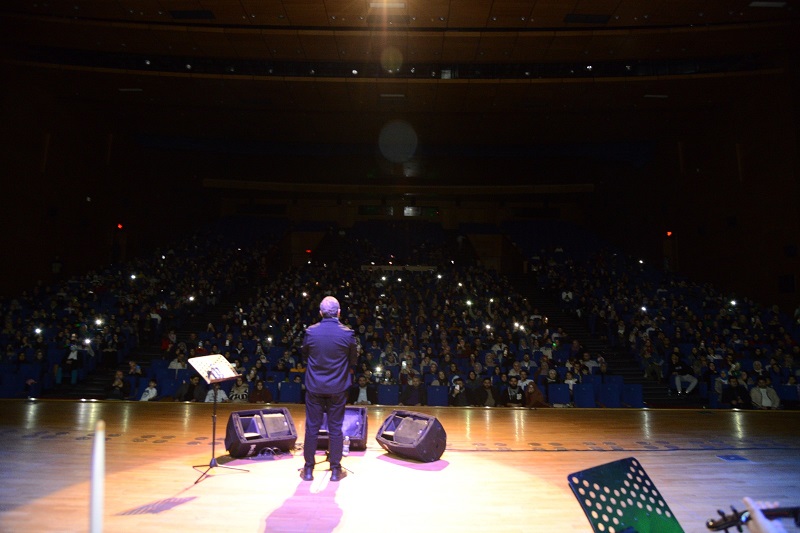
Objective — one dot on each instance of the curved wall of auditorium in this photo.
(725, 182)
(722, 179)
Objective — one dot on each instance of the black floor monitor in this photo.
(413, 435)
(353, 426)
(249, 432)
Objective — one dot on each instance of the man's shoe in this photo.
(307, 473)
(337, 473)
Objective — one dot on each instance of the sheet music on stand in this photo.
(214, 368)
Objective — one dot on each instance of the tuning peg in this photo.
(722, 515)
(738, 515)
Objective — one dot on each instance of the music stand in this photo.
(620, 497)
(214, 369)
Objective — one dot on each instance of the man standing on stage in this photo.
(330, 348)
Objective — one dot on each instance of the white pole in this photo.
(98, 478)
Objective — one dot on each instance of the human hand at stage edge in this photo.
(758, 523)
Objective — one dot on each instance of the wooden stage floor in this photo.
(503, 469)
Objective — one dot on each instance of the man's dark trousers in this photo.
(316, 405)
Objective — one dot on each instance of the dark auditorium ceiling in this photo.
(293, 76)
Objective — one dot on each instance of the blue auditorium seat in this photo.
(438, 395)
(558, 393)
(583, 394)
(632, 395)
(290, 392)
(388, 394)
(610, 395)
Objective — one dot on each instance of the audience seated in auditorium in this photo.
(459, 396)
(72, 360)
(109, 348)
(191, 391)
(534, 397)
(736, 394)
(551, 377)
(362, 393)
(150, 393)
(440, 379)
(119, 389)
(570, 380)
(260, 394)
(428, 317)
(240, 391)
(487, 395)
(719, 383)
(514, 394)
(134, 371)
(179, 362)
(216, 394)
(414, 394)
(680, 373)
(764, 396)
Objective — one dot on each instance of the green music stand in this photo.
(619, 497)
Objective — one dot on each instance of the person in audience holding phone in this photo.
(458, 394)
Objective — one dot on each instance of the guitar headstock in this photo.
(735, 519)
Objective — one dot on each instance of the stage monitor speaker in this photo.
(249, 432)
(353, 426)
(413, 435)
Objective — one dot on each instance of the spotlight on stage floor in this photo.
(413, 435)
(619, 496)
(353, 426)
(249, 432)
